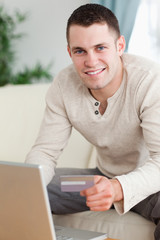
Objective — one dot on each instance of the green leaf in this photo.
(8, 36)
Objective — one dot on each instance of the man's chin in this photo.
(95, 86)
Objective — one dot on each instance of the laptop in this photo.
(24, 207)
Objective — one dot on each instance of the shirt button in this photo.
(96, 112)
(96, 103)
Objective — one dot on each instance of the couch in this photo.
(22, 108)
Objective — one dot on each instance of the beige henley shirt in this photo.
(126, 136)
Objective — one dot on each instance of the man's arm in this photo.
(145, 179)
(53, 135)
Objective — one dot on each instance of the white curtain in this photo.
(125, 11)
(154, 19)
(145, 39)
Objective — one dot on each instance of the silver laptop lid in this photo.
(24, 207)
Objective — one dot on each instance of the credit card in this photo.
(76, 183)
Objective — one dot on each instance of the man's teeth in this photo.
(95, 72)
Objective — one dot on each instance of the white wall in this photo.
(45, 28)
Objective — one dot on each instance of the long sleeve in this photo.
(53, 135)
(145, 180)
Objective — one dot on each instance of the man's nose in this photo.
(91, 59)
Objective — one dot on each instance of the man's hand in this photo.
(103, 194)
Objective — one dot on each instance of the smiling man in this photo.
(113, 100)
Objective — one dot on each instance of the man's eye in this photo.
(79, 51)
(100, 48)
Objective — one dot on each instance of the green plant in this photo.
(8, 36)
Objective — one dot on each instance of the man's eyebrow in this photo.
(81, 48)
(101, 44)
(77, 48)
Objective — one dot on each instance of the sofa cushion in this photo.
(130, 226)
(22, 108)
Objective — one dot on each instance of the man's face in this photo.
(95, 53)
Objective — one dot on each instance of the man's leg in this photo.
(150, 209)
(67, 202)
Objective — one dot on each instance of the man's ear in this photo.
(121, 45)
(69, 50)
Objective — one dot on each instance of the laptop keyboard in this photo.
(64, 238)
(59, 236)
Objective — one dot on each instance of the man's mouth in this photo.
(95, 71)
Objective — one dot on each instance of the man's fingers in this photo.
(102, 205)
(101, 196)
(100, 186)
(97, 203)
(97, 178)
(100, 208)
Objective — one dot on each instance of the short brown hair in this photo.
(89, 14)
